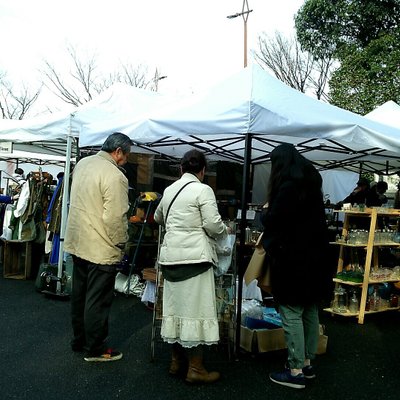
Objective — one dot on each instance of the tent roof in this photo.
(46, 135)
(115, 109)
(255, 102)
(388, 113)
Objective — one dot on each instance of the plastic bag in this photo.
(224, 248)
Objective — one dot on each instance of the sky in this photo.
(191, 42)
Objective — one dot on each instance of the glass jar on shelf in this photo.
(394, 300)
(375, 300)
(354, 303)
(339, 303)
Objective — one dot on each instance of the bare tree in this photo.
(84, 80)
(78, 85)
(298, 69)
(15, 104)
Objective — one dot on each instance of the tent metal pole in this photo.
(240, 264)
(64, 208)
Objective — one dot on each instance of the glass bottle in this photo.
(394, 300)
(375, 300)
(339, 303)
(353, 304)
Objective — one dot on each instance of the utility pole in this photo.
(245, 15)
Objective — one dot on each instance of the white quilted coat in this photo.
(193, 223)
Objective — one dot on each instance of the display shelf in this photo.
(388, 244)
(377, 281)
(368, 212)
(349, 314)
(346, 314)
(350, 283)
(371, 257)
(370, 282)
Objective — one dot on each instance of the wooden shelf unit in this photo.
(371, 259)
(17, 259)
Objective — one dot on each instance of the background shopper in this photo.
(296, 241)
(96, 234)
(188, 211)
(359, 194)
(376, 196)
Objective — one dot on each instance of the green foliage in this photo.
(364, 35)
(331, 26)
(368, 77)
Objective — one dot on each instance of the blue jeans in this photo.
(301, 327)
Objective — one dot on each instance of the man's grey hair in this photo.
(115, 140)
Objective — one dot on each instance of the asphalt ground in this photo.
(361, 362)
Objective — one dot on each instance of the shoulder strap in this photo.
(172, 201)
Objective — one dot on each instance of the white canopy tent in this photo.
(244, 117)
(50, 138)
(256, 104)
(388, 113)
(44, 137)
(97, 118)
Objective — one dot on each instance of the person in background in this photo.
(95, 235)
(18, 175)
(359, 194)
(376, 196)
(296, 242)
(18, 179)
(187, 257)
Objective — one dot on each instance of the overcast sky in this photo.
(190, 41)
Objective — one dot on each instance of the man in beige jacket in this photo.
(96, 234)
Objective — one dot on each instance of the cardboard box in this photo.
(264, 340)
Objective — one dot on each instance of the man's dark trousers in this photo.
(91, 299)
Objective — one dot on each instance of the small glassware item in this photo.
(368, 303)
(339, 303)
(353, 304)
(396, 237)
(394, 300)
(248, 235)
(375, 303)
(378, 237)
(396, 272)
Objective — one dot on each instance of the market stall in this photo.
(244, 117)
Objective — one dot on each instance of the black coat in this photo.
(296, 241)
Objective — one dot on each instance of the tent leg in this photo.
(240, 268)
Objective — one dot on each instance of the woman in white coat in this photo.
(189, 213)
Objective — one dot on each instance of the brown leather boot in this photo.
(179, 363)
(198, 374)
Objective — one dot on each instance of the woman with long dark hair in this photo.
(295, 239)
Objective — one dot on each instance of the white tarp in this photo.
(255, 102)
(217, 121)
(97, 118)
(388, 113)
(115, 109)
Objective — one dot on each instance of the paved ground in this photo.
(362, 361)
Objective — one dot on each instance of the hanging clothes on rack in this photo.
(53, 220)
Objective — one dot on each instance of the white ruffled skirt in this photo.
(189, 311)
